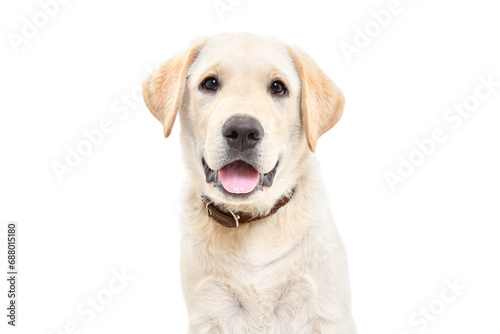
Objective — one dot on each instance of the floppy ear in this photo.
(162, 91)
(322, 102)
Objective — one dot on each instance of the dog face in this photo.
(251, 108)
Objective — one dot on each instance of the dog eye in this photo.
(209, 84)
(278, 88)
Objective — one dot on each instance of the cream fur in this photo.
(286, 273)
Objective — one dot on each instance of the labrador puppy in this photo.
(260, 251)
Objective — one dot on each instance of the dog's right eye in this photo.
(209, 84)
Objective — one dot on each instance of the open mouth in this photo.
(239, 177)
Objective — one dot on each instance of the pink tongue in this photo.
(238, 177)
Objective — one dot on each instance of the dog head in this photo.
(251, 109)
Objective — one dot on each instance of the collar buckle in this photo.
(236, 218)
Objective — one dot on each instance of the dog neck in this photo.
(232, 219)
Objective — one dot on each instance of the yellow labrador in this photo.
(260, 251)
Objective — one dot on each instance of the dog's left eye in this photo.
(210, 84)
(278, 88)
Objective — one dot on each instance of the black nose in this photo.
(242, 132)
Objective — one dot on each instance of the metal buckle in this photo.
(206, 207)
(236, 218)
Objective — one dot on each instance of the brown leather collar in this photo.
(231, 219)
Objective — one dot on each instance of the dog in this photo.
(260, 252)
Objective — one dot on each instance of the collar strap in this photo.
(231, 219)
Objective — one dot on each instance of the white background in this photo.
(119, 208)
